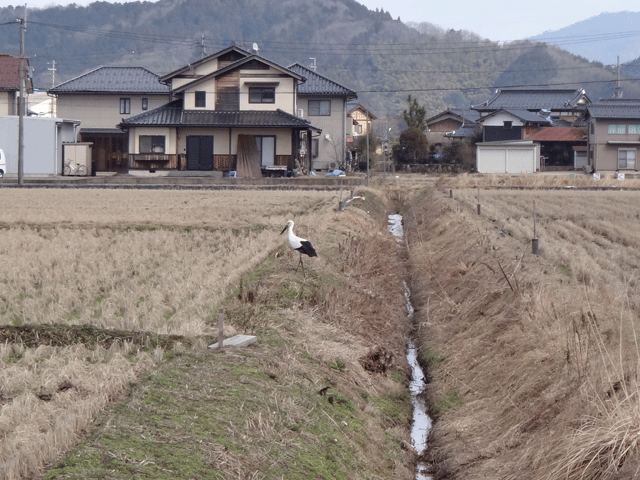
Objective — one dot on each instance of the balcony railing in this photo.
(153, 161)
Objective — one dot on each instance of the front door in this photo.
(199, 152)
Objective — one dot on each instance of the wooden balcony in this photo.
(153, 161)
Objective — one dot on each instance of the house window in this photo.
(627, 158)
(634, 129)
(125, 105)
(315, 144)
(592, 128)
(151, 143)
(201, 99)
(319, 108)
(616, 129)
(267, 149)
(508, 125)
(262, 95)
(145, 104)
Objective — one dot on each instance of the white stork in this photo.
(299, 244)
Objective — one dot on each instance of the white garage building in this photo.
(520, 156)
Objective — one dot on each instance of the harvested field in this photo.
(110, 297)
(533, 359)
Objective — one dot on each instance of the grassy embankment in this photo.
(109, 299)
(533, 359)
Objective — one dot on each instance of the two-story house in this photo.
(232, 111)
(10, 84)
(561, 106)
(100, 99)
(451, 124)
(324, 103)
(613, 135)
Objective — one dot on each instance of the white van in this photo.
(3, 164)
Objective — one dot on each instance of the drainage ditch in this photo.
(421, 423)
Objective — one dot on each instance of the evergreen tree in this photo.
(415, 116)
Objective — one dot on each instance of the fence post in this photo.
(220, 329)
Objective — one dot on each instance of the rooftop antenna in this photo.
(255, 48)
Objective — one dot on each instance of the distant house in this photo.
(10, 84)
(324, 103)
(451, 124)
(359, 119)
(561, 106)
(233, 111)
(561, 148)
(613, 138)
(505, 147)
(502, 125)
(100, 99)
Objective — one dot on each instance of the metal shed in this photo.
(43, 139)
(508, 157)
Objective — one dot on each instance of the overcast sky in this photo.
(493, 19)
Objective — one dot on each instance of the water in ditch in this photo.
(421, 421)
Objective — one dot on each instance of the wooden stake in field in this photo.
(478, 200)
(534, 240)
(221, 329)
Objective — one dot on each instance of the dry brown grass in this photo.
(164, 262)
(157, 261)
(541, 350)
(537, 180)
(153, 261)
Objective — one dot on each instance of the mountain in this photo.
(383, 59)
(601, 38)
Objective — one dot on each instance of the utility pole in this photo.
(21, 79)
(203, 47)
(367, 114)
(53, 73)
(618, 90)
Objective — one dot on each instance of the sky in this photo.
(497, 20)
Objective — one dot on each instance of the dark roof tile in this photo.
(535, 99)
(172, 114)
(316, 84)
(113, 80)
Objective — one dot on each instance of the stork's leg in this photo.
(299, 262)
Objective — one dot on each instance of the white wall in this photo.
(514, 158)
(42, 144)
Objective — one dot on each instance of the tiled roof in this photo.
(113, 80)
(172, 114)
(463, 131)
(615, 108)
(557, 134)
(524, 115)
(9, 72)
(465, 114)
(316, 84)
(564, 99)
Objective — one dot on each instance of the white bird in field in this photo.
(299, 244)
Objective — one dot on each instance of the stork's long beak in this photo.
(284, 229)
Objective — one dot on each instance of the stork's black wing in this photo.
(307, 248)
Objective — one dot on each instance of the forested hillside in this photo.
(381, 58)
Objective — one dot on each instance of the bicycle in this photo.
(71, 168)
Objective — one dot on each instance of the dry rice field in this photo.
(157, 261)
